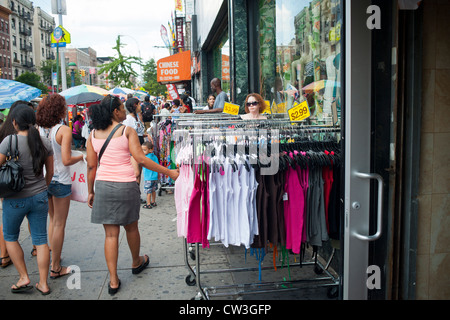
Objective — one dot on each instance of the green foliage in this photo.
(150, 79)
(32, 79)
(120, 68)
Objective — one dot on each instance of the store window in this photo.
(300, 50)
(222, 63)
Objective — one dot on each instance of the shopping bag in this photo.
(78, 174)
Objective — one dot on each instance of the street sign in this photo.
(60, 37)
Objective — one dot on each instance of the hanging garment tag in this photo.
(285, 197)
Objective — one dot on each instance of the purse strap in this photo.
(107, 141)
(10, 154)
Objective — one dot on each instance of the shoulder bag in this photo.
(12, 179)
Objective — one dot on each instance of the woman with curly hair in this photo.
(49, 116)
(115, 202)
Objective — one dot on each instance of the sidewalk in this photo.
(164, 279)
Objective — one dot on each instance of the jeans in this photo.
(59, 190)
(35, 208)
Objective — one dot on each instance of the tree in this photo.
(120, 68)
(150, 79)
(49, 66)
(32, 79)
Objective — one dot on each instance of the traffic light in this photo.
(83, 73)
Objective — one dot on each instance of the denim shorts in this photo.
(58, 190)
(35, 208)
(150, 186)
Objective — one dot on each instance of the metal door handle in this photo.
(377, 177)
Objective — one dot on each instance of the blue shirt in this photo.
(150, 175)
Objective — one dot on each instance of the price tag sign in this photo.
(299, 112)
(267, 109)
(230, 108)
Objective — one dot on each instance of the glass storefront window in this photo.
(300, 52)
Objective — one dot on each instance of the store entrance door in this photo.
(359, 180)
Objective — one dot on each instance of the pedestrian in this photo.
(77, 126)
(32, 201)
(133, 118)
(210, 102)
(115, 202)
(176, 106)
(50, 113)
(150, 177)
(221, 97)
(7, 129)
(254, 107)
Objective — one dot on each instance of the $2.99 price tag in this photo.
(299, 112)
(230, 108)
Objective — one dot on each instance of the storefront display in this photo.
(300, 52)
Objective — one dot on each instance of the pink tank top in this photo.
(115, 164)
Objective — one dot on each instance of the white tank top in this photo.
(61, 172)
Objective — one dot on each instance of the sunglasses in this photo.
(254, 103)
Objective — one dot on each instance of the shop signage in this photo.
(230, 108)
(267, 109)
(173, 91)
(179, 25)
(299, 112)
(175, 68)
(225, 68)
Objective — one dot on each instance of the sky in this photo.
(97, 23)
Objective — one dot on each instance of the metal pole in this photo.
(63, 56)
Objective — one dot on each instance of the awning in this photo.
(175, 68)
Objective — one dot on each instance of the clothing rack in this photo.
(190, 128)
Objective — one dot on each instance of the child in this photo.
(150, 177)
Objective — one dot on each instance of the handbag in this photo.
(12, 179)
(107, 142)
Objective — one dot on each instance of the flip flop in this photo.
(42, 292)
(6, 264)
(59, 275)
(113, 291)
(144, 264)
(21, 289)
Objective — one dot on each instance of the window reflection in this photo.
(300, 56)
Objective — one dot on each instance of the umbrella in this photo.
(319, 85)
(12, 91)
(83, 88)
(140, 94)
(83, 98)
(124, 91)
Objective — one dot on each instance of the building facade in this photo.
(5, 44)
(42, 30)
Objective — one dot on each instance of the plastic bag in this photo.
(78, 174)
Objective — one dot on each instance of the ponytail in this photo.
(25, 120)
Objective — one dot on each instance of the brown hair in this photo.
(262, 104)
(51, 110)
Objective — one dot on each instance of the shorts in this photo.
(150, 186)
(59, 190)
(35, 208)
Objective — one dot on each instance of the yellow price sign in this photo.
(267, 109)
(230, 108)
(299, 112)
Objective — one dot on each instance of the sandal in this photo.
(144, 264)
(153, 204)
(33, 252)
(44, 293)
(147, 206)
(4, 265)
(59, 275)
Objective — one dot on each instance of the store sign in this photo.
(173, 91)
(230, 108)
(175, 68)
(225, 68)
(299, 112)
(179, 25)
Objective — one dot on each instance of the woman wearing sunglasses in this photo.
(254, 106)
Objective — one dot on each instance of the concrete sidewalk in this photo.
(164, 279)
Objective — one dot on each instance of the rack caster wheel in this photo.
(332, 292)
(317, 269)
(192, 255)
(190, 280)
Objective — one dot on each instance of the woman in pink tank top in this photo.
(116, 199)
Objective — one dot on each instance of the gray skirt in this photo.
(116, 203)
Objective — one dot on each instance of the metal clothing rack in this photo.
(324, 278)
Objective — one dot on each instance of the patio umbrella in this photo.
(12, 91)
(119, 90)
(84, 98)
(83, 88)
